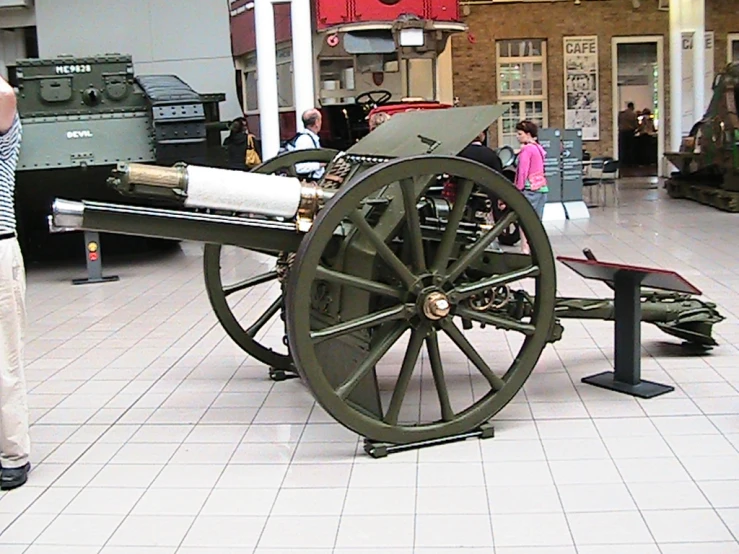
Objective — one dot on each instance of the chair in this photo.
(604, 171)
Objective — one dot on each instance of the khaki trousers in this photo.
(15, 443)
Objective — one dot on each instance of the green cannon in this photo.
(367, 284)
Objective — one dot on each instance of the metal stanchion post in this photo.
(93, 257)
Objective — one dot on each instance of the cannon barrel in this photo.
(257, 234)
(212, 188)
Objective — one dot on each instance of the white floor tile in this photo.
(721, 494)
(576, 472)
(82, 530)
(596, 498)
(317, 476)
(306, 531)
(447, 500)
(397, 531)
(686, 526)
(170, 502)
(455, 531)
(524, 499)
(609, 528)
(381, 501)
(531, 530)
(450, 475)
(221, 532)
(668, 496)
(655, 470)
(104, 501)
(316, 502)
(159, 530)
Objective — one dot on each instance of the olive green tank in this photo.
(82, 116)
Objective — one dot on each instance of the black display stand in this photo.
(626, 281)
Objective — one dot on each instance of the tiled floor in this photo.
(153, 434)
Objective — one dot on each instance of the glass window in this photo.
(735, 50)
(337, 79)
(522, 85)
(285, 85)
(250, 85)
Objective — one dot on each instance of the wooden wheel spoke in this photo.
(479, 247)
(375, 355)
(404, 377)
(437, 370)
(465, 291)
(383, 249)
(464, 190)
(250, 282)
(414, 225)
(265, 317)
(459, 339)
(401, 311)
(357, 282)
(498, 321)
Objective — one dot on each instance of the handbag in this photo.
(537, 180)
(252, 157)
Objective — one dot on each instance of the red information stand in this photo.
(626, 281)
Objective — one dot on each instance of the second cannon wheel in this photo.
(244, 286)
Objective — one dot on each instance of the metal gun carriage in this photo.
(378, 282)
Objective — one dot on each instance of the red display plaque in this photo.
(652, 278)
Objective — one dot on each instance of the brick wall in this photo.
(475, 63)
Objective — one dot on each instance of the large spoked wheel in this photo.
(243, 286)
(370, 287)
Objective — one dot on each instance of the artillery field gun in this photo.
(369, 267)
(708, 161)
(82, 115)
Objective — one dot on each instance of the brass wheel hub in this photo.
(436, 306)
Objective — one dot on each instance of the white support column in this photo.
(269, 118)
(676, 75)
(698, 23)
(302, 55)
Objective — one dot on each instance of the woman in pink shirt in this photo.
(530, 179)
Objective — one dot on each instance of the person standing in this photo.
(308, 140)
(530, 177)
(236, 145)
(15, 442)
(628, 122)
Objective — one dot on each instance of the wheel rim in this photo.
(410, 300)
(255, 297)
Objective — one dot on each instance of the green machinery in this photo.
(81, 116)
(708, 161)
(348, 280)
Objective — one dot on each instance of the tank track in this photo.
(178, 119)
(709, 195)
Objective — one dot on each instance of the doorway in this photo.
(638, 78)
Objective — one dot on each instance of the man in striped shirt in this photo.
(14, 438)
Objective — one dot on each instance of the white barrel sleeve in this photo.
(241, 191)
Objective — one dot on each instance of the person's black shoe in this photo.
(12, 478)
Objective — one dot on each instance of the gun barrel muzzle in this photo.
(66, 215)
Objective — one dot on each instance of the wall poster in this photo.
(581, 86)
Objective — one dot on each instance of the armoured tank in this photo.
(708, 161)
(81, 116)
